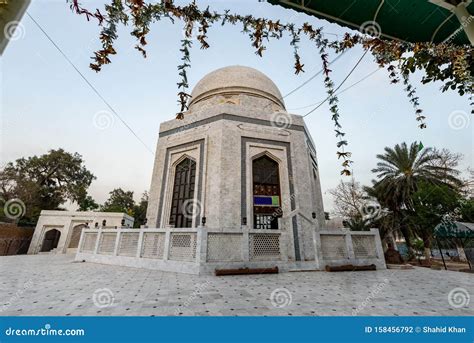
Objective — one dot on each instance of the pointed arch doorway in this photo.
(50, 240)
(183, 208)
(266, 193)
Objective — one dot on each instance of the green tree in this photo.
(119, 201)
(139, 210)
(466, 210)
(45, 182)
(357, 223)
(87, 203)
(399, 172)
(431, 203)
(466, 206)
(122, 201)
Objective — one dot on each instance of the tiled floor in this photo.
(55, 285)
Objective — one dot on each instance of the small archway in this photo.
(266, 193)
(51, 240)
(76, 236)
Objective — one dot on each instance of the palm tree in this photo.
(358, 223)
(399, 172)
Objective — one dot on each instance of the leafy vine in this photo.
(450, 64)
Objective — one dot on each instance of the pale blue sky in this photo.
(46, 105)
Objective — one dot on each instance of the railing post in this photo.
(318, 249)
(117, 241)
(378, 244)
(284, 246)
(81, 239)
(140, 243)
(349, 246)
(201, 245)
(245, 244)
(97, 241)
(167, 245)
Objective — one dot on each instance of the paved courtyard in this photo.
(55, 285)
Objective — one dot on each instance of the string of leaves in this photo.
(450, 64)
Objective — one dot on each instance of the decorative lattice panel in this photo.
(334, 247)
(264, 246)
(153, 245)
(224, 247)
(364, 246)
(128, 244)
(182, 246)
(88, 242)
(107, 243)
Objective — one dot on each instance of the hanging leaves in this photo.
(334, 109)
(411, 94)
(450, 64)
(295, 39)
(183, 85)
(414, 100)
(76, 7)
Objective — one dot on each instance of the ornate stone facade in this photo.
(235, 184)
(237, 115)
(60, 231)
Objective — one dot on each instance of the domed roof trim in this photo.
(236, 80)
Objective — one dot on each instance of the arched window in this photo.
(266, 193)
(182, 210)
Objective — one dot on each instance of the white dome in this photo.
(236, 80)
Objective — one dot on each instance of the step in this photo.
(399, 266)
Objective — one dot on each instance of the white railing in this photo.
(192, 250)
(339, 247)
(183, 244)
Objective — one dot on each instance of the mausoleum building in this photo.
(255, 165)
(235, 184)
